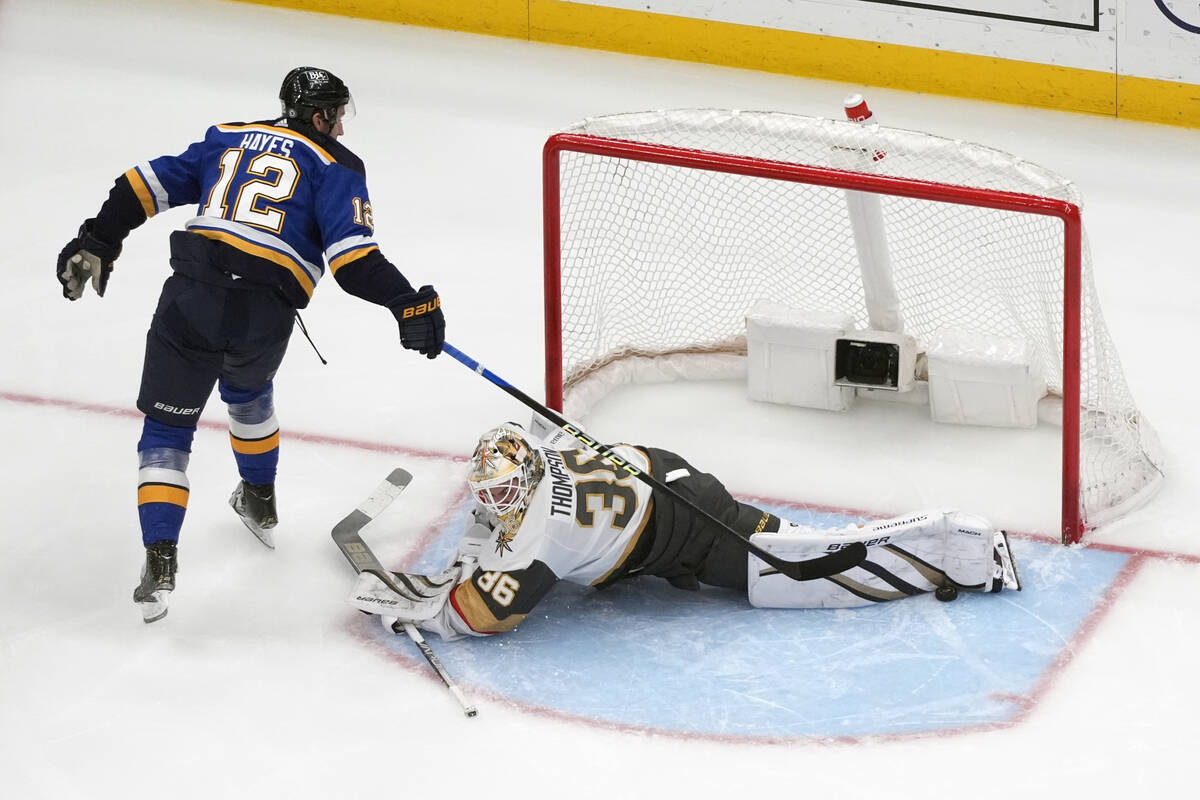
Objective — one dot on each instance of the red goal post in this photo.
(585, 175)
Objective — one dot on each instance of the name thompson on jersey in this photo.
(555, 510)
(562, 488)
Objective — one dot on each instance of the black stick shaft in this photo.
(838, 561)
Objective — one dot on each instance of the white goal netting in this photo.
(664, 247)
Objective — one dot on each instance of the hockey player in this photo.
(552, 511)
(279, 202)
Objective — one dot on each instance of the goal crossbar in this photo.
(1068, 213)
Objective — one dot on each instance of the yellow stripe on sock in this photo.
(253, 447)
(158, 493)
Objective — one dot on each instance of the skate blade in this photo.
(262, 534)
(1011, 578)
(155, 607)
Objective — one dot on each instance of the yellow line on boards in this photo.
(790, 53)
(493, 17)
(829, 58)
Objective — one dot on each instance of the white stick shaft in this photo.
(432, 658)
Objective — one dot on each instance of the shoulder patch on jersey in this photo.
(503, 541)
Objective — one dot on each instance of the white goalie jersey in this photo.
(584, 521)
(591, 522)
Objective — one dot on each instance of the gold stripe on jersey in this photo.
(144, 195)
(293, 134)
(474, 611)
(253, 447)
(349, 258)
(161, 493)
(646, 517)
(290, 264)
(631, 546)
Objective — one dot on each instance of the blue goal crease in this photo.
(647, 656)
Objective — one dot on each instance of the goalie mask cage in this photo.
(662, 230)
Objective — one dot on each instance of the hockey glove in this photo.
(421, 597)
(85, 256)
(422, 326)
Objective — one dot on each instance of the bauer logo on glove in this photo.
(410, 598)
(422, 326)
(423, 308)
(372, 601)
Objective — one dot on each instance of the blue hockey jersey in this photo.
(286, 204)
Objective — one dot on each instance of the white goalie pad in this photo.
(906, 556)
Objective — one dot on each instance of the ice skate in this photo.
(158, 580)
(255, 504)
(1004, 575)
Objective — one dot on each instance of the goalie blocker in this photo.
(555, 511)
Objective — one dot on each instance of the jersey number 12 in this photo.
(252, 206)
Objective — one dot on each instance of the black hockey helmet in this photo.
(309, 90)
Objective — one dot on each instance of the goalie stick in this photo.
(347, 536)
(822, 567)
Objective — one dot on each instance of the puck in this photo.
(946, 593)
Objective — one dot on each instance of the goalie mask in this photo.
(505, 469)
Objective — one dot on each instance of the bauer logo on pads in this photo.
(834, 546)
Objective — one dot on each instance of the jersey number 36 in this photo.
(500, 585)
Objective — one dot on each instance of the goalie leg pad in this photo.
(907, 556)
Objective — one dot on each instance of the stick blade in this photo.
(838, 561)
(346, 534)
(379, 499)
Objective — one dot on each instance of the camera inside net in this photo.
(860, 362)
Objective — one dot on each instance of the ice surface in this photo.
(262, 683)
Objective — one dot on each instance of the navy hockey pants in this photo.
(687, 549)
(202, 332)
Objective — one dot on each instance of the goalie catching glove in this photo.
(85, 257)
(421, 597)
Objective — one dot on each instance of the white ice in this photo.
(261, 682)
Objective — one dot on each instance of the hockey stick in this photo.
(347, 536)
(822, 567)
(427, 651)
(346, 533)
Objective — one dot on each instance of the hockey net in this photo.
(662, 230)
